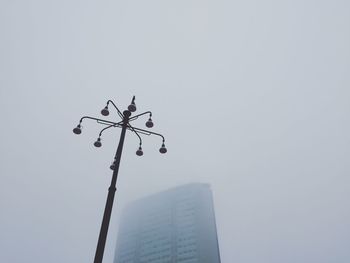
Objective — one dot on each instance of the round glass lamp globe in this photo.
(98, 143)
(163, 149)
(105, 111)
(149, 123)
(77, 130)
(132, 107)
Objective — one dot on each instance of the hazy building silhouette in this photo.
(173, 226)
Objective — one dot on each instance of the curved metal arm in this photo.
(110, 126)
(119, 112)
(97, 119)
(135, 117)
(133, 129)
(149, 132)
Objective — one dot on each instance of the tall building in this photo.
(174, 226)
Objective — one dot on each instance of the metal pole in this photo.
(111, 191)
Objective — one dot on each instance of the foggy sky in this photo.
(252, 97)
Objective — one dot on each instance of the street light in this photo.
(98, 142)
(105, 111)
(77, 130)
(125, 125)
(132, 106)
(139, 152)
(149, 123)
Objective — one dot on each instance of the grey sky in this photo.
(252, 96)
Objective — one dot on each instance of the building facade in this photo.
(173, 226)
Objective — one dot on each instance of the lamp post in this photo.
(125, 125)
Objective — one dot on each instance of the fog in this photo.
(251, 96)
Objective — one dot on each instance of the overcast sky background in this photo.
(252, 96)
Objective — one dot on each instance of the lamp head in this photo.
(98, 143)
(139, 152)
(132, 106)
(77, 130)
(127, 113)
(112, 167)
(105, 111)
(163, 149)
(149, 123)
